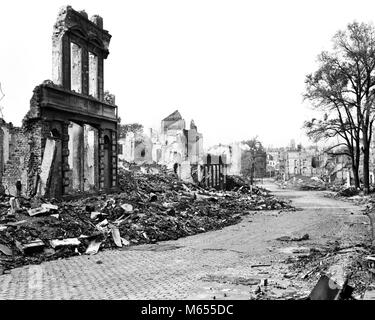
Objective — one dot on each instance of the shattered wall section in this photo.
(4, 144)
(16, 166)
(45, 155)
(82, 68)
(25, 157)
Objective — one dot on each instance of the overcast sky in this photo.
(236, 67)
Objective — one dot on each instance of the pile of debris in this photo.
(303, 183)
(348, 192)
(349, 268)
(352, 194)
(153, 206)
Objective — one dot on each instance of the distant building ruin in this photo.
(240, 159)
(68, 140)
(177, 148)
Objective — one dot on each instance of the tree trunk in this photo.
(356, 166)
(366, 164)
(355, 175)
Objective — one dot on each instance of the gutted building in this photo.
(68, 140)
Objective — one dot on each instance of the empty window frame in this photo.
(75, 67)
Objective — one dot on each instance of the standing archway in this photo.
(107, 162)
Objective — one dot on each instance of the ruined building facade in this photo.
(178, 148)
(240, 159)
(68, 140)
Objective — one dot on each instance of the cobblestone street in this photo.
(186, 268)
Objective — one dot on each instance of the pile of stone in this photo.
(153, 206)
(345, 265)
(303, 183)
(348, 192)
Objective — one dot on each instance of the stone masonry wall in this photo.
(25, 156)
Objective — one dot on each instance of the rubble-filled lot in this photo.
(153, 206)
(303, 183)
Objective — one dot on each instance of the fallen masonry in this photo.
(149, 208)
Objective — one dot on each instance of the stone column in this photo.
(101, 159)
(65, 158)
(114, 158)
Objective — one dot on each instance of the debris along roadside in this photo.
(303, 183)
(331, 272)
(348, 269)
(152, 207)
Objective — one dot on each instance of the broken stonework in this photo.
(68, 118)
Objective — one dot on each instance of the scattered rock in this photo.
(65, 243)
(4, 249)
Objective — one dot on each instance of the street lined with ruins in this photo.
(214, 265)
(201, 176)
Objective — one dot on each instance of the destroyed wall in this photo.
(194, 141)
(4, 144)
(136, 148)
(127, 146)
(177, 144)
(336, 168)
(234, 154)
(173, 122)
(301, 163)
(68, 141)
(177, 148)
(25, 153)
(16, 167)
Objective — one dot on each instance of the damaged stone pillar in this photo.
(114, 159)
(65, 158)
(101, 159)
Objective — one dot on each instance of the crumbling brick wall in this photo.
(25, 156)
(2, 142)
(16, 167)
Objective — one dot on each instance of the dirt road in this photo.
(222, 264)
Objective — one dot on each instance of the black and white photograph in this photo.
(208, 151)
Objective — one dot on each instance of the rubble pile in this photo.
(348, 192)
(353, 195)
(355, 262)
(303, 183)
(153, 206)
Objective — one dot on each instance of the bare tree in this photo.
(343, 90)
(136, 128)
